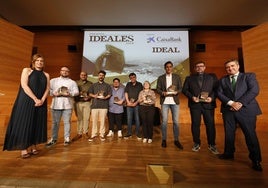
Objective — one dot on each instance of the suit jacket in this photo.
(247, 88)
(191, 89)
(162, 87)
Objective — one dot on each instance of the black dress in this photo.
(28, 124)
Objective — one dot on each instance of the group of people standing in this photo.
(237, 92)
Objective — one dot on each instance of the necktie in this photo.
(233, 82)
(200, 80)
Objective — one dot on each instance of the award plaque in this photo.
(148, 99)
(116, 100)
(203, 96)
(63, 91)
(100, 94)
(83, 94)
(132, 100)
(172, 90)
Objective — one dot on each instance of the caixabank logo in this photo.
(160, 39)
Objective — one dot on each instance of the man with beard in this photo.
(63, 89)
(100, 92)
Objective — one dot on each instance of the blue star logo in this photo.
(150, 39)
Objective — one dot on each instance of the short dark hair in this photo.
(230, 60)
(102, 71)
(132, 74)
(116, 79)
(199, 62)
(168, 62)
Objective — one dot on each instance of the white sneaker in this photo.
(150, 141)
(110, 133)
(119, 133)
(144, 140)
(66, 141)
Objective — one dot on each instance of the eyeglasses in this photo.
(198, 66)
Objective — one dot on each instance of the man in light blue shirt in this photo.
(116, 109)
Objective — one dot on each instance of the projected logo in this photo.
(160, 39)
(150, 39)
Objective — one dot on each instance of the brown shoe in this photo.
(77, 137)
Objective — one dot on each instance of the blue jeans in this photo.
(56, 117)
(175, 117)
(130, 112)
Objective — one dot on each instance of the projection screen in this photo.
(120, 53)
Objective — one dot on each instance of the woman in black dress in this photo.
(28, 122)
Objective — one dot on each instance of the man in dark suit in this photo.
(237, 92)
(200, 90)
(168, 87)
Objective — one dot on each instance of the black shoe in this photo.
(256, 165)
(127, 136)
(164, 144)
(178, 144)
(51, 143)
(226, 156)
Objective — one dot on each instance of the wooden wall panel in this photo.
(54, 46)
(255, 52)
(15, 53)
(220, 46)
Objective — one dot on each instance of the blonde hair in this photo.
(148, 83)
(34, 58)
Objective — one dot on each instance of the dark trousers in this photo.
(115, 119)
(248, 126)
(208, 117)
(147, 120)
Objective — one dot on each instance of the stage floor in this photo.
(122, 163)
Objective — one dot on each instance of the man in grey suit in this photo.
(168, 87)
(237, 92)
(200, 90)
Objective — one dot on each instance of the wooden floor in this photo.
(122, 163)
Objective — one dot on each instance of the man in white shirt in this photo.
(168, 87)
(63, 89)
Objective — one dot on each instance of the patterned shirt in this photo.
(97, 88)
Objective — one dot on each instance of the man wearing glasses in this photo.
(63, 89)
(200, 90)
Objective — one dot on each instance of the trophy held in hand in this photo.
(147, 99)
(100, 94)
(132, 100)
(63, 91)
(203, 96)
(83, 94)
(172, 90)
(116, 100)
